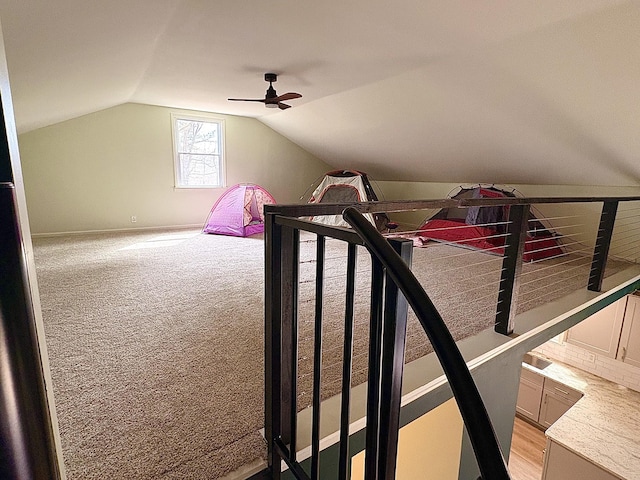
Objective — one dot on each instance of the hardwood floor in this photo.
(527, 445)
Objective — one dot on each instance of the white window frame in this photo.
(178, 184)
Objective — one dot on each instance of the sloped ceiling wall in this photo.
(550, 107)
(501, 92)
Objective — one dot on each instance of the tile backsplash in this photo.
(605, 367)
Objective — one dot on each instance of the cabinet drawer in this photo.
(561, 390)
(529, 394)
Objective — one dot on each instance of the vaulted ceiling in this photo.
(542, 92)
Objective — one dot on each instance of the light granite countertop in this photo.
(603, 426)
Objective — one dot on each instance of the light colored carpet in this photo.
(156, 342)
(156, 353)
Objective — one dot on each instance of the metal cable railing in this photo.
(625, 239)
(556, 260)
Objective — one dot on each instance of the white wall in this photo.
(94, 172)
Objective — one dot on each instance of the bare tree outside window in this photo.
(198, 145)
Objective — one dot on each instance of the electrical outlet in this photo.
(591, 358)
(134, 219)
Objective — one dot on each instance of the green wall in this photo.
(96, 171)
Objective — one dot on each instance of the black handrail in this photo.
(485, 443)
(390, 206)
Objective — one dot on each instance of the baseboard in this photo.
(256, 470)
(116, 230)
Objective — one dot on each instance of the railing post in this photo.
(396, 311)
(511, 268)
(273, 340)
(344, 465)
(603, 242)
(289, 310)
(317, 359)
(372, 455)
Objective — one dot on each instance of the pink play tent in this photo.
(239, 211)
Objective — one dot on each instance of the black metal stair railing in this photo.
(393, 288)
(387, 334)
(490, 460)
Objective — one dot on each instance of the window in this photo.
(198, 151)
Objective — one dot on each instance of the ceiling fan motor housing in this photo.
(271, 99)
(271, 92)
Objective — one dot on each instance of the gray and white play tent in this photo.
(347, 187)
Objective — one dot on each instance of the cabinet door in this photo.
(556, 400)
(629, 351)
(600, 333)
(529, 394)
(552, 408)
(562, 464)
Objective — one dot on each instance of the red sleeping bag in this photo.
(489, 239)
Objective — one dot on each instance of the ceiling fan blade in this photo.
(246, 99)
(286, 96)
(283, 106)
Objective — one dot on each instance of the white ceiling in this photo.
(541, 92)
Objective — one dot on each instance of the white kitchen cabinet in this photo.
(557, 398)
(613, 332)
(542, 399)
(529, 394)
(600, 333)
(561, 463)
(629, 349)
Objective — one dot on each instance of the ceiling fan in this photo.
(271, 99)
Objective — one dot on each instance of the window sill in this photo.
(199, 187)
